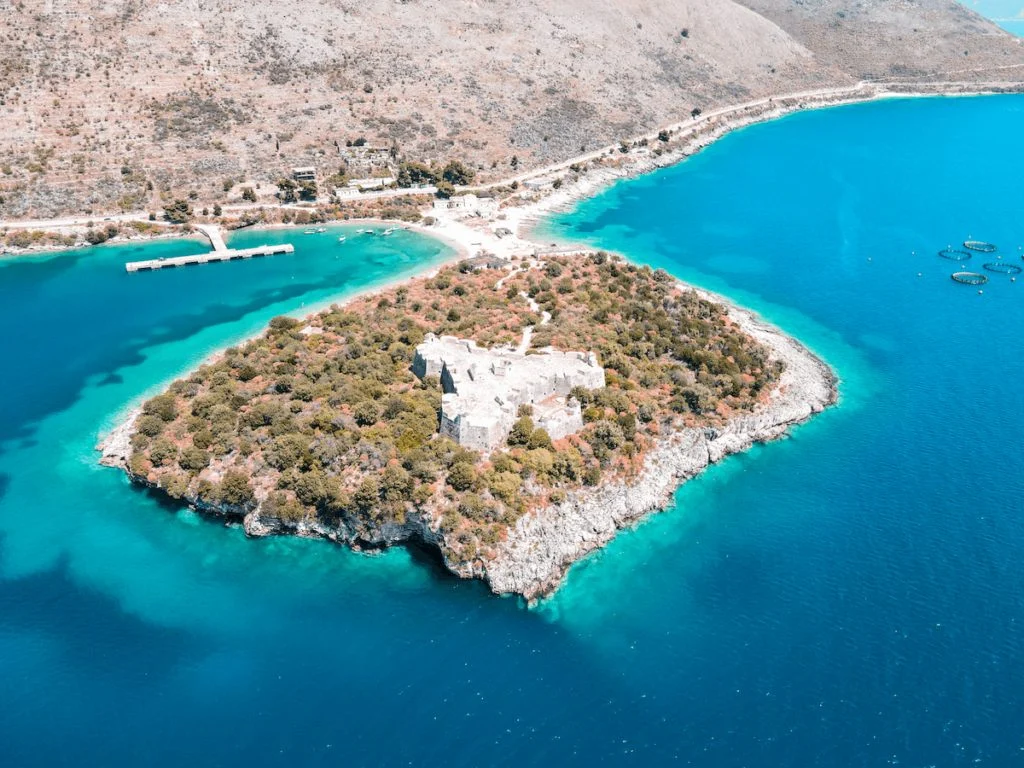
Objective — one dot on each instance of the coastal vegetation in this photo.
(321, 422)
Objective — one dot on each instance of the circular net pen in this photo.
(954, 254)
(1002, 268)
(979, 245)
(969, 278)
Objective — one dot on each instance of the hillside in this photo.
(113, 104)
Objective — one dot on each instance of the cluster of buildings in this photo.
(483, 389)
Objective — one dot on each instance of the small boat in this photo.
(389, 230)
(309, 232)
(341, 239)
(321, 230)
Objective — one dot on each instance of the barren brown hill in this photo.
(117, 103)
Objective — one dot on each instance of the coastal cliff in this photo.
(520, 541)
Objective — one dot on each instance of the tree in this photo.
(410, 173)
(396, 485)
(308, 190)
(521, 432)
(178, 212)
(286, 190)
(445, 189)
(462, 476)
(249, 194)
(311, 488)
(283, 508)
(149, 424)
(287, 451)
(193, 459)
(457, 173)
(366, 413)
(96, 236)
(162, 452)
(235, 489)
(367, 495)
(217, 210)
(540, 438)
(504, 485)
(163, 406)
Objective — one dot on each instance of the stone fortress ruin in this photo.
(483, 389)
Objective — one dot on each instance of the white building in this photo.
(484, 388)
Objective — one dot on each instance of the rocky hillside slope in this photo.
(108, 104)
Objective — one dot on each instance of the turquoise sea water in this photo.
(851, 596)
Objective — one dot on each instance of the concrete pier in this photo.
(227, 254)
(212, 231)
(220, 252)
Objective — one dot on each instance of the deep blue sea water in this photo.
(851, 596)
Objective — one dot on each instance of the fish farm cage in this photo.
(1003, 268)
(969, 278)
(980, 246)
(954, 255)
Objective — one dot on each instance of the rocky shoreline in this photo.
(543, 545)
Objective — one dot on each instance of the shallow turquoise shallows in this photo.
(851, 596)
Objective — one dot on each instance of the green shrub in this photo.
(461, 476)
(193, 459)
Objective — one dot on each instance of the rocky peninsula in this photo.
(334, 426)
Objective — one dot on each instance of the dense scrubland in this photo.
(321, 422)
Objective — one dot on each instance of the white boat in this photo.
(321, 230)
(389, 230)
(341, 239)
(309, 232)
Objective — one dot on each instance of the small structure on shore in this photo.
(483, 389)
